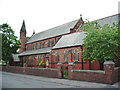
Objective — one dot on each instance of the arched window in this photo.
(57, 57)
(40, 45)
(66, 55)
(76, 54)
(36, 46)
(40, 58)
(53, 42)
(48, 43)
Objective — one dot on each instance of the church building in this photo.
(61, 44)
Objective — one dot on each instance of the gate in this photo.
(65, 72)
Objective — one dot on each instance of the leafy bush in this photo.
(101, 42)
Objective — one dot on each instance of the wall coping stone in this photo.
(108, 62)
(44, 68)
(15, 66)
(89, 71)
(33, 68)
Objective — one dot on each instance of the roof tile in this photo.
(69, 40)
(56, 31)
(37, 51)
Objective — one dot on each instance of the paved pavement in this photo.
(12, 80)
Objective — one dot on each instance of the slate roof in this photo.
(37, 51)
(56, 31)
(65, 28)
(108, 20)
(69, 40)
(15, 57)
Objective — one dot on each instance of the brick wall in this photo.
(116, 74)
(70, 56)
(88, 75)
(36, 45)
(109, 75)
(53, 73)
(80, 64)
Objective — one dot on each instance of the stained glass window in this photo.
(53, 42)
(49, 43)
(76, 54)
(40, 45)
(57, 57)
(66, 55)
(36, 46)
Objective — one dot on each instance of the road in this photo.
(12, 80)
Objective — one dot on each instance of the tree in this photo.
(10, 44)
(101, 42)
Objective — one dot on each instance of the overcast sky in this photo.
(40, 15)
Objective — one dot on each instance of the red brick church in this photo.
(61, 44)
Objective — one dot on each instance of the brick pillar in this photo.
(70, 68)
(109, 71)
(59, 66)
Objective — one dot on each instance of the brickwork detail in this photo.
(32, 71)
(110, 74)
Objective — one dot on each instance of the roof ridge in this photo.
(57, 26)
(53, 32)
(105, 17)
(74, 33)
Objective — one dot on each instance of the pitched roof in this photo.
(65, 28)
(70, 40)
(108, 20)
(56, 31)
(37, 51)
